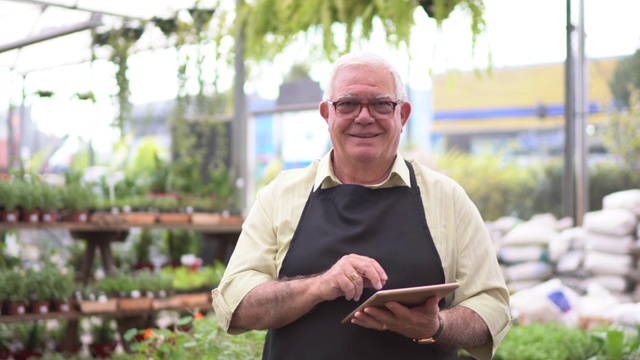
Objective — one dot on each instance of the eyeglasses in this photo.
(347, 108)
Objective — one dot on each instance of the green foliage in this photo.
(9, 195)
(62, 283)
(50, 197)
(510, 188)
(557, 341)
(6, 335)
(31, 336)
(142, 245)
(269, 35)
(78, 197)
(205, 341)
(102, 331)
(29, 194)
(622, 136)
(626, 79)
(13, 287)
(181, 242)
(39, 283)
(205, 278)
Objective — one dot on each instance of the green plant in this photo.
(102, 331)
(9, 195)
(616, 344)
(6, 335)
(50, 197)
(39, 284)
(181, 242)
(205, 341)
(62, 284)
(13, 287)
(142, 245)
(78, 197)
(31, 336)
(30, 195)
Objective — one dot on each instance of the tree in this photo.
(626, 78)
(269, 35)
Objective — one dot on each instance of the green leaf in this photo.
(130, 334)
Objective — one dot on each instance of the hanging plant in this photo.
(88, 95)
(167, 26)
(44, 93)
(269, 35)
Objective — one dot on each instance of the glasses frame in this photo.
(362, 104)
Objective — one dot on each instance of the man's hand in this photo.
(349, 276)
(415, 322)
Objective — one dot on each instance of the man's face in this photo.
(365, 137)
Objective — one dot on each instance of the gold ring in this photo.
(354, 276)
(384, 327)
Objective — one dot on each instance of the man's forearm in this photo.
(276, 303)
(463, 328)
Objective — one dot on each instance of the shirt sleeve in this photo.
(251, 264)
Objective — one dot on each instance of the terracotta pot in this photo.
(15, 309)
(102, 350)
(9, 216)
(39, 306)
(30, 216)
(50, 216)
(77, 216)
(27, 354)
(61, 306)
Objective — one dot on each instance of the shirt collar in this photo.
(326, 178)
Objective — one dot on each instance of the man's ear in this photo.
(405, 111)
(324, 110)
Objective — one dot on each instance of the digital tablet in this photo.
(406, 296)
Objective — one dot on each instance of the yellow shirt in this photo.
(459, 233)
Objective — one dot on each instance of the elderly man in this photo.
(320, 240)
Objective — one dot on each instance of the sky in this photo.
(519, 33)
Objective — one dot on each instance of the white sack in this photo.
(529, 233)
(600, 263)
(613, 283)
(625, 199)
(549, 301)
(609, 243)
(537, 270)
(619, 222)
(570, 262)
(517, 254)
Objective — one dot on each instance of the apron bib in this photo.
(386, 224)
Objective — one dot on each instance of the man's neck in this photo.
(361, 174)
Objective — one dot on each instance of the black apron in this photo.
(386, 224)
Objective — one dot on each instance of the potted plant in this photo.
(31, 338)
(15, 292)
(50, 203)
(29, 201)
(5, 341)
(40, 289)
(179, 243)
(63, 286)
(77, 199)
(60, 333)
(142, 250)
(9, 200)
(103, 339)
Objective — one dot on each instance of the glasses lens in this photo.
(382, 107)
(347, 107)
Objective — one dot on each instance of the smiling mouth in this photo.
(365, 136)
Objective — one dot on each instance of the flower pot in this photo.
(15, 308)
(173, 218)
(61, 306)
(77, 216)
(93, 307)
(49, 216)
(9, 216)
(39, 306)
(140, 218)
(30, 216)
(102, 350)
(27, 354)
(195, 300)
(74, 350)
(133, 304)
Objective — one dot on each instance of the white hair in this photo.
(364, 58)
